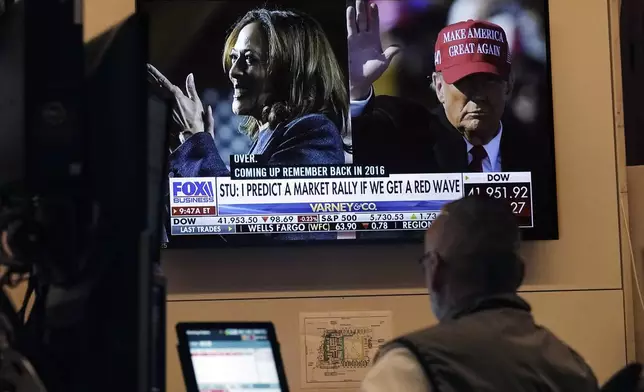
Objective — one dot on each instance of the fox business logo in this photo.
(186, 192)
(343, 207)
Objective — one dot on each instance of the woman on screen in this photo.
(287, 84)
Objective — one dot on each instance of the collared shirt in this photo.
(490, 164)
(396, 370)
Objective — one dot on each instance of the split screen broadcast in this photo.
(345, 120)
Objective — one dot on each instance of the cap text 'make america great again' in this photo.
(472, 47)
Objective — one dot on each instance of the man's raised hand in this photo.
(367, 59)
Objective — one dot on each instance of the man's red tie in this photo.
(478, 155)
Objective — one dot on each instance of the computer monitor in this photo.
(228, 356)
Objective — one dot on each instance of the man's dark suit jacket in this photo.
(308, 140)
(405, 137)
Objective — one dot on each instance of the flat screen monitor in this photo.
(335, 121)
(231, 357)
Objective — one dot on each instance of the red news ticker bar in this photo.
(193, 211)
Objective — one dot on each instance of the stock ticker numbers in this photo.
(502, 186)
(397, 202)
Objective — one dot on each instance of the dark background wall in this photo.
(632, 38)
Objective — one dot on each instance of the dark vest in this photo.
(493, 344)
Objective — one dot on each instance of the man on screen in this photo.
(472, 82)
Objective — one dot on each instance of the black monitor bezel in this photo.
(185, 358)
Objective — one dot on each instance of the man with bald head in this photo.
(486, 338)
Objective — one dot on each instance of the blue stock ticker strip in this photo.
(331, 207)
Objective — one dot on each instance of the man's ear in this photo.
(436, 273)
(439, 86)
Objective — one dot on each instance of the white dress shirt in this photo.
(396, 370)
(492, 163)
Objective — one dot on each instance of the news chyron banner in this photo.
(344, 198)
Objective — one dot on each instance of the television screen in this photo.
(350, 120)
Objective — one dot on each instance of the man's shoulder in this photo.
(467, 335)
(459, 344)
(474, 330)
(442, 334)
(397, 369)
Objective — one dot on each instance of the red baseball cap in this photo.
(470, 47)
